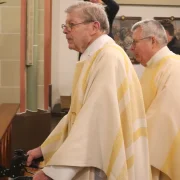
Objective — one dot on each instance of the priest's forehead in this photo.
(137, 33)
(75, 16)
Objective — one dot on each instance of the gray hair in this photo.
(91, 12)
(151, 27)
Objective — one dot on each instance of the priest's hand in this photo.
(33, 154)
(40, 175)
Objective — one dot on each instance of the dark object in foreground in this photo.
(18, 166)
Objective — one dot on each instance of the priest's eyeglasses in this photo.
(134, 42)
(70, 26)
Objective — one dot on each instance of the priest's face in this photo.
(141, 47)
(78, 31)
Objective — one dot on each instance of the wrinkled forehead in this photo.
(74, 16)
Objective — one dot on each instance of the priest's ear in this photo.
(94, 28)
(154, 41)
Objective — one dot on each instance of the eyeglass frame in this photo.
(71, 25)
(134, 42)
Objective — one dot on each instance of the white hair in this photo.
(151, 27)
(91, 12)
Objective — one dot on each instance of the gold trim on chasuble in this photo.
(149, 79)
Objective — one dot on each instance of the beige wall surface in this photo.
(10, 52)
(10, 13)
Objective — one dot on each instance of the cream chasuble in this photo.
(105, 127)
(161, 90)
